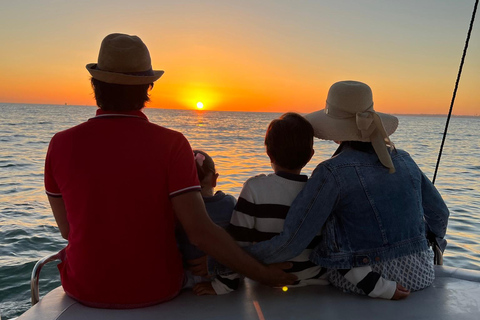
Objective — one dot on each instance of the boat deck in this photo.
(455, 294)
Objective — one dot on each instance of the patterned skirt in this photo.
(414, 272)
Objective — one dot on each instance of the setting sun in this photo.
(199, 105)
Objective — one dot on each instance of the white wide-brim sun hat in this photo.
(349, 116)
(347, 101)
(124, 59)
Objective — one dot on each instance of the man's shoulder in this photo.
(91, 128)
(160, 128)
(64, 134)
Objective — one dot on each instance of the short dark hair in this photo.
(120, 97)
(289, 141)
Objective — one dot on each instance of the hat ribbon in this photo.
(371, 126)
(146, 73)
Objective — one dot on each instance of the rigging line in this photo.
(455, 90)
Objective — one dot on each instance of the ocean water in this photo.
(235, 141)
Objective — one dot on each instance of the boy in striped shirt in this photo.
(263, 205)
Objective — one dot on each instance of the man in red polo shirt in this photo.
(117, 184)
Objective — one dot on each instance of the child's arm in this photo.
(372, 283)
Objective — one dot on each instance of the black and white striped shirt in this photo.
(260, 214)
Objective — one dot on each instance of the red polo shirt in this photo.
(116, 174)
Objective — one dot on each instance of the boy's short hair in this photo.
(289, 141)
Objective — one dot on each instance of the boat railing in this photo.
(34, 288)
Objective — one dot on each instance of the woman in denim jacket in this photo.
(374, 205)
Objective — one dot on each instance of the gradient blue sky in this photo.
(249, 55)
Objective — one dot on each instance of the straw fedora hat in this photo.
(349, 116)
(124, 59)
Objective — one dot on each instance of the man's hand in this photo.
(217, 243)
(198, 266)
(277, 277)
(400, 293)
(204, 288)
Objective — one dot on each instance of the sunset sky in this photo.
(249, 55)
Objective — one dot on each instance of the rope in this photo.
(456, 87)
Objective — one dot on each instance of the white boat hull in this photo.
(455, 294)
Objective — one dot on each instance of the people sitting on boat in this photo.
(264, 200)
(263, 205)
(373, 204)
(219, 206)
(117, 184)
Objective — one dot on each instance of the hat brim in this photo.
(120, 78)
(327, 127)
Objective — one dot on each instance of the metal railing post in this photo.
(35, 295)
(438, 255)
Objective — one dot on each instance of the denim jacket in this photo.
(366, 215)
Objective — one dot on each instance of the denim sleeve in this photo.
(306, 216)
(435, 212)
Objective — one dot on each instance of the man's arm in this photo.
(215, 241)
(242, 229)
(60, 214)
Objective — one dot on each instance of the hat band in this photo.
(146, 73)
(337, 113)
(371, 128)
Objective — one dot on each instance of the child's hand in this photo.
(400, 293)
(199, 266)
(204, 288)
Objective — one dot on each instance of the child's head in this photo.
(206, 172)
(289, 141)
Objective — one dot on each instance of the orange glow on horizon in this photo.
(238, 90)
(261, 97)
(239, 75)
(260, 66)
